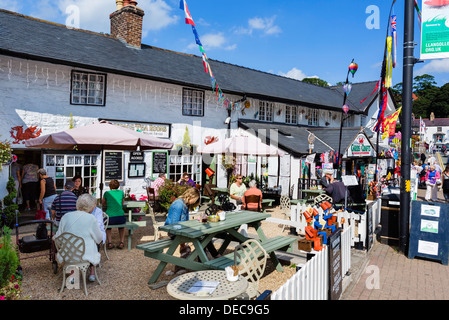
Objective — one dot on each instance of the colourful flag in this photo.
(389, 66)
(375, 89)
(395, 39)
(197, 38)
(382, 108)
(390, 124)
(183, 6)
(422, 125)
(205, 64)
(418, 12)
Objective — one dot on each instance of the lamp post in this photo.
(347, 89)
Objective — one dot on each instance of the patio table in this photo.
(309, 194)
(200, 235)
(134, 216)
(226, 289)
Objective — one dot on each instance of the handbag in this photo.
(41, 231)
(40, 215)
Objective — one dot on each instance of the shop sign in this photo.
(159, 130)
(435, 28)
(360, 147)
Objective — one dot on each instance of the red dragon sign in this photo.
(21, 135)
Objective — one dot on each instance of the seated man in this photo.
(337, 191)
(252, 191)
(64, 202)
(158, 183)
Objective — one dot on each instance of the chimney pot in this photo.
(126, 23)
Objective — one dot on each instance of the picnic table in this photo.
(310, 194)
(201, 234)
(134, 216)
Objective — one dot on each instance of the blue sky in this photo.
(295, 38)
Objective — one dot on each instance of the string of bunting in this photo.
(221, 99)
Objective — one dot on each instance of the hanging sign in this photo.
(435, 30)
(361, 147)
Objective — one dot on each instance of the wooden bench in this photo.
(269, 245)
(155, 246)
(131, 226)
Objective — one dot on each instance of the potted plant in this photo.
(169, 192)
(9, 206)
(10, 281)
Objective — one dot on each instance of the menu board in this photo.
(160, 160)
(429, 231)
(335, 271)
(113, 165)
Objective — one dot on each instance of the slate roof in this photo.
(437, 122)
(294, 138)
(35, 39)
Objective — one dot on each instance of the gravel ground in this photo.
(125, 276)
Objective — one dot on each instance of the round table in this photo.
(179, 286)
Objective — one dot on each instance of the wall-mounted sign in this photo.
(136, 170)
(160, 162)
(136, 156)
(361, 147)
(113, 165)
(160, 130)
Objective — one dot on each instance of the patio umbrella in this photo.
(99, 135)
(241, 145)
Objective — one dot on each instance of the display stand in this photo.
(348, 181)
(429, 232)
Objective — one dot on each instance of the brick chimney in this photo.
(126, 23)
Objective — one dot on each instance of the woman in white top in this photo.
(83, 224)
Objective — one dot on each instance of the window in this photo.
(88, 88)
(64, 167)
(313, 117)
(185, 163)
(291, 114)
(266, 111)
(192, 102)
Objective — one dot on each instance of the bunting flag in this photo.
(390, 124)
(220, 97)
(188, 17)
(395, 39)
(375, 89)
(422, 125)
(418, 12)
(389, 66)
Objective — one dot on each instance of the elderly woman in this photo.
(432, 180)
(83, 224)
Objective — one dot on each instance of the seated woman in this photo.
(113, 201)
(252, 191)
(79, 189)
(83, 224)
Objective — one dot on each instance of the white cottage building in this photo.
(53, 78)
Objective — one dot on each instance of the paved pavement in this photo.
(385, 273)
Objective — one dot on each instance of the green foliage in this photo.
(9, 261)
(316, 81)
(10, 207)
(169, 192)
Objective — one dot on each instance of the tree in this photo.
(423, 83)
(316, 81)
(440, 102)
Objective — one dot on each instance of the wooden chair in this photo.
(207, 191)
(251, 259)
(253, 199)
(71, 249)
(153, 201)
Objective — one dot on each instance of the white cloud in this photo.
(434, 66)
(11, 5)
(214, 41)
(264, 25)
(295, 74)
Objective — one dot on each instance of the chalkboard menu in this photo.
(160, 160)
(113, 165)
(335, 276)
(429, 231)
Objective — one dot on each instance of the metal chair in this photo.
(106, 224)
(71, 249)
(285, 208)
(251, 259)
(156, 224)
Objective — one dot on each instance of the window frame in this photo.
(184, 113)
(313, 117)
(89, 74)
(292, 113)
(263, 106)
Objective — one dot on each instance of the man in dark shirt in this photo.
(337, 191)
(65, 202)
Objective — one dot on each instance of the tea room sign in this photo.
(361, 147)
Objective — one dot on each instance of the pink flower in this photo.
(2, 298)
(16, 287)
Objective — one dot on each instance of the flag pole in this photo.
(407, 79)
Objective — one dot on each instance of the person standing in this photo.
(237, 190)
(48, 192)
(432, 178)
(30, 185)
(445, 178)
